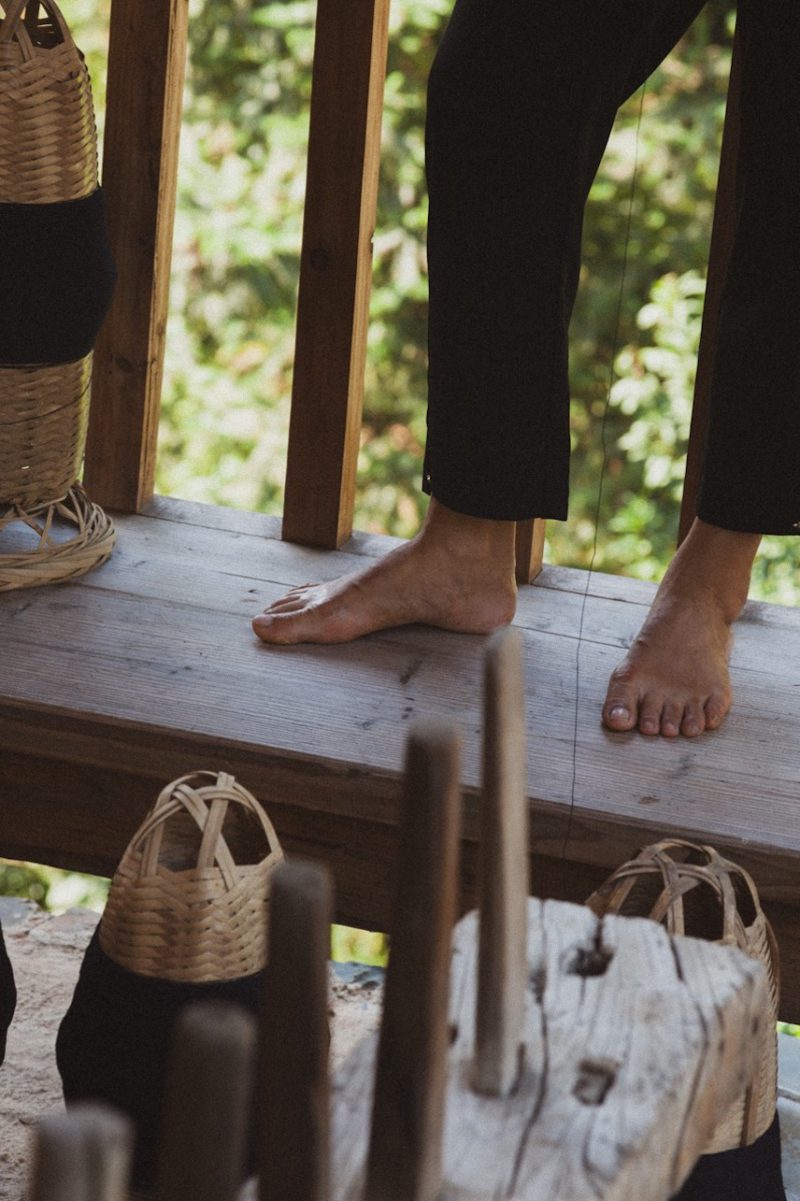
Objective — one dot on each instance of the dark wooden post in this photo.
(146, 66)
(295, 1039)
(405, 1152)
(335, 270)
(719, 254)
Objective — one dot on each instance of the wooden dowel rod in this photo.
(294, 1091)
(405, 1153)
(502, 970)
(83, 1155)
(207, 1104)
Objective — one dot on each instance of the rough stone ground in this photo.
(47, 951)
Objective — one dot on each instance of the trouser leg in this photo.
(751, 477)
(521, 100)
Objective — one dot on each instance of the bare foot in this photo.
(674, 679)
(457, 574)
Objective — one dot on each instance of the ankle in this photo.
(715, 565)
(461, 536)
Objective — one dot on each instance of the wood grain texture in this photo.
(404, 1162)
(335, 269)
(722, 235)
(147, 669)
(502, 976)
(294, 1091)
(146, 67)
(208, 1094)
(625, 1071)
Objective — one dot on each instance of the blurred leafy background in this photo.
(237, 246)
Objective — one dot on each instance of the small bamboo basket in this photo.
(189, 899)
(48, 154)
(693, 891)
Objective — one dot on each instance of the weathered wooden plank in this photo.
(635, 1043)
(208, 1094)
(502, 977)
(335, 269)
(146, 66)
(294, 1090)
(722, 235)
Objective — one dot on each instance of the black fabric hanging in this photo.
(8, 995)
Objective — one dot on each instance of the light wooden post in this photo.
(502, 957)
(529, 549)
(83, 1155)
(405, 1151)
(722, 236)
(335, 270)
(146, 66)
(207, 1104)
(295, 1043)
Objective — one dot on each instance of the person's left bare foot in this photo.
(674, 679)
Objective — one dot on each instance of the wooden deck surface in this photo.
(147, 669)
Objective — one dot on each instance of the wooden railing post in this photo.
(529, 549)
(336, 269)
(146, 66)
(722, 234)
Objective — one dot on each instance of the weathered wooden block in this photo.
(633, 1044)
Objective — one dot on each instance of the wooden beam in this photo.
(722, 235)
(146, 66)
(335, 270)
(529, 549)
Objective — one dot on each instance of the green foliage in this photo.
(53, 889)
(237, 244)
(349, 945)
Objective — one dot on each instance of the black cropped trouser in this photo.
(521, 100)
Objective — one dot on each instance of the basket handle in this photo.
(12, 25)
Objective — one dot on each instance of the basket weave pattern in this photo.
(180, 906)
(48, 155)
(693, 891)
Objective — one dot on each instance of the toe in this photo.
(650, 711)
(694, 719)
(671, 717)
(622, 701)
(716, 707)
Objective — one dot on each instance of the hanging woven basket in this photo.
(48, 158)
(693, 891)
(189, 899)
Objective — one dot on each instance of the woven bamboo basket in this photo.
(693, 891)
(189, 899)
(48, 154)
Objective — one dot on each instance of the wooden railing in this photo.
(146, 67)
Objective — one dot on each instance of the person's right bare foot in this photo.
(457, 574)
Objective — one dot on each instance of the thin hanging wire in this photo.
(612, 378)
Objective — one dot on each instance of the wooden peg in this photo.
(405, 1152)
(83, 1155)
(502, 959)
(295, 1041)
(207, 1104)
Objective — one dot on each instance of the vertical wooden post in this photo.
(295, 1118)
(502, 959)
(207, 1104)
(83, 1155)
(722, 235)
(529, 549)
(405, 1153)
(335, 270)
(146, 66)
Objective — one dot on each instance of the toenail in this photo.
(619, 711)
